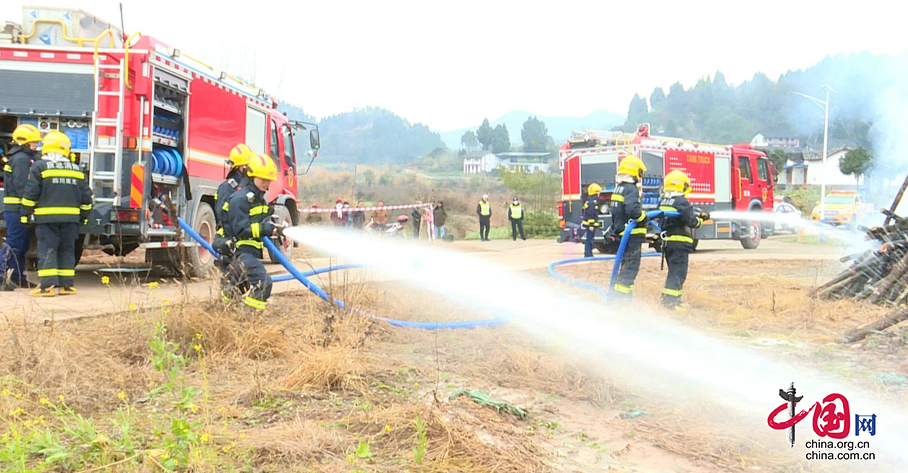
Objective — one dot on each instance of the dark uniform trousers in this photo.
(57, 253)
(248, 273)
(485, 224)
(588, 244)
(677, 259)
(630, 266)
(12, 255)
(517, 225)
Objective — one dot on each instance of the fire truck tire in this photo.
(752, 241)
(200, 260)
(607, 248)
(286, 246)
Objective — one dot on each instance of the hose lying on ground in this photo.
(315, 289)
(619, 256)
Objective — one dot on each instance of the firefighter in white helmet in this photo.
(484, 211)
(677, 240)
(625, 206)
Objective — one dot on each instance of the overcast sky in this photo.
(448, 64)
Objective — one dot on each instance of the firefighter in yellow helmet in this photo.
(237, 178)
(15, 175)
(58, 196)
(625, 206)
(678, 238)
(248, 224)
(591, 217)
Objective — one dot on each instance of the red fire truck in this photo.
(723, 177)
(147, 122)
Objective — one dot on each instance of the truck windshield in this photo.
(838, 199)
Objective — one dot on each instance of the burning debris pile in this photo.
(878, 276)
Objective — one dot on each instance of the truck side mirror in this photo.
(314, 142)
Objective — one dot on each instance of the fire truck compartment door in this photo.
(654, 162)
(723, 178)
(46, 89)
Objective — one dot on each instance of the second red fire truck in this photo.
(148, 123)
(723, 177)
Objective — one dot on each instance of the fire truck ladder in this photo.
(104, 145)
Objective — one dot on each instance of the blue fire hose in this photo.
(315, 289)
(618, 257)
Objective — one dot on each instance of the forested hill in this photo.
(714, 111)
(368, 136)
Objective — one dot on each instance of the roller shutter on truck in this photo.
(36, 88)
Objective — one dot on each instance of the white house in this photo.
(813, 172)
(478, 162)
(761, 141)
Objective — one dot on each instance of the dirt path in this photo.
(133, 290)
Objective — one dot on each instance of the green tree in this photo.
(369, 177)
(538, 190)
(501, 139)
(778, 157)
(485, 134)
(469, 141)
(535, 135)
(636, 113)
(657, 98)
(856, 162)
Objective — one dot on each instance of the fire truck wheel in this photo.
(752, 241)
(200, 259)
(286, 246)
(607, 248)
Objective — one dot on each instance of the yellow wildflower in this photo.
(387, 427)
(43, 401)
(132, 307)
(242, 436)
(194, 408)
(61, 398)
(121, 395)
(105, 280)
(203, 438)
(152, 284)
(5, 392)
(198, 336)
(197, 347)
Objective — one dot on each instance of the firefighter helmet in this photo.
(56, 142)
(593, 189)
(263, 167)
(632, 166)
(677, 181)
(24, 134)
(240, 155)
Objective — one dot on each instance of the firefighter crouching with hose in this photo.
(677, 237)
(591, 217)
(624, 207)
(237, 178)
(248, 223)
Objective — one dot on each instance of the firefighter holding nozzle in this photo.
(677, 235)
(626, 206)
(248, 224)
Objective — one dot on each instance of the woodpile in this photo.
(877, 276)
